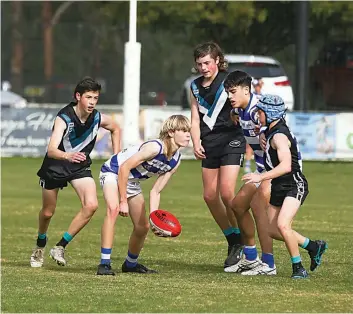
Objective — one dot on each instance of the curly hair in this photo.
(212, 49)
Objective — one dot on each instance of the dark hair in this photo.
(87, 84)
(237, 78)
(212, 49)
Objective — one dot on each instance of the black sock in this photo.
(233, 239)
(311, 247)
(62, 243)
(42, 242)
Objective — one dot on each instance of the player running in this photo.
(68, 160)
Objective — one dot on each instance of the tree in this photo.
(17, 48)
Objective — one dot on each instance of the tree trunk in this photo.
(17, 48)
(48, 48)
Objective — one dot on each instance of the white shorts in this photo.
(133, 188)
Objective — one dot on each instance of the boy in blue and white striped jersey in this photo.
(254, 196)
(121, 176)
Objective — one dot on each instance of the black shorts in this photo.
(223, 151)
(296, 186)
(225, 160)
(51, 184)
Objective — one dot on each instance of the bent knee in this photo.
(227, 199)
(90, 207)
(141, 230)
(283, 227)
(210, 197)
(112, 211)
(48, 212)
(273, 235)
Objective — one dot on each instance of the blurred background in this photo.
(48, 46)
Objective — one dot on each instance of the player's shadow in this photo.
(162, 266)
(52, 266)
(166, 265)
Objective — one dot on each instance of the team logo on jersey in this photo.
(71, 126)
(234, 143)
(161, 166)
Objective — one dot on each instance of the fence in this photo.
(26, 132)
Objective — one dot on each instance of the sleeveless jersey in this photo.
(248, 120)
(156, 166)
(77, 137)
(214, 108)
(271, 157)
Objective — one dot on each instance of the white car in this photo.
(268, 69)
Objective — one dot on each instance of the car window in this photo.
(258, 69)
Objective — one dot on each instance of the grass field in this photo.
(191, 277)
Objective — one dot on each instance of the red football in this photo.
(164, 223)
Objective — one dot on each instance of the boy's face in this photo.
(207, 66)
(181, 138)
(239, 96)
(88, 100)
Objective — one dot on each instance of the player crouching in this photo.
(121, 175)
(289, 186)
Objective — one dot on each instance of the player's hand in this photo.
(157, 232)
(124, 209)
(262, 139)
(75, 158)
(251, 178)
(257, 129)
(234, 117)
(199, 152)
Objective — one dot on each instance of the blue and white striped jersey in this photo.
(156, 166)
(248, 119)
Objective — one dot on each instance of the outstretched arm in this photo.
(281, 144)
(159, 185)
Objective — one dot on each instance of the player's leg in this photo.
(284, 222)
(241, 205)
(259, 204)
(49, 199)
(111, 196)
(315, 248)
(229, 170)
(227, 183)
(137, 239)
(85, 188)
(211, 195)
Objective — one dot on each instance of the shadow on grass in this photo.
(162, 266)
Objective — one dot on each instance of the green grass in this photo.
(191, 277)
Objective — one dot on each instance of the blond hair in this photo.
(174, 123)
